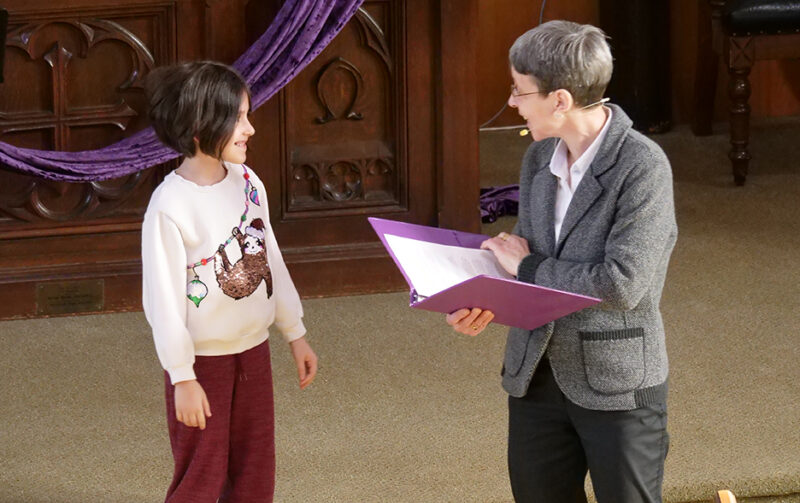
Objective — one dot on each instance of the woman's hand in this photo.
(305, 359)
(509, 250)
(470, 321)
(191, 404)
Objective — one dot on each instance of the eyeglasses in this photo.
(516, 94)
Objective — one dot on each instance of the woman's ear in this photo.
(564, 102)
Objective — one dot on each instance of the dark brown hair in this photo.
(198, 100)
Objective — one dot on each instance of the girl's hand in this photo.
(305, 359)
(191, 404)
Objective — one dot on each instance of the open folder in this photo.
(447, 271)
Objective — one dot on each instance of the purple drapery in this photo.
(300, 31)
(498, 201)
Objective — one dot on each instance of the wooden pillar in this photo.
(459, 176)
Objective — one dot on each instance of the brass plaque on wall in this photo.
(68, 297)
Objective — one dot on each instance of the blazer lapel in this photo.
(542, 211)
(590, 189)
(587, 193)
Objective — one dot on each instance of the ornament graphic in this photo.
(196, 290)
(254, 195)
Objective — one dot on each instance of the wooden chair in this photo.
(742, 32)
(724, 496)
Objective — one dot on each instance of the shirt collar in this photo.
(558, 162)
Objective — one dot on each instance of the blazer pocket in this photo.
(613, 359)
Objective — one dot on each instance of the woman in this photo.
(596, 217)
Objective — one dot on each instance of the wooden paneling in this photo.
(775, 85)
(74, 82)
(345, 123)
(53, 99)
(360, 132)
(332, 148)
(354, 135)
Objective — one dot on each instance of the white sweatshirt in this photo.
(226, 308)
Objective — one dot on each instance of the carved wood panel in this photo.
(355, 134)
(344, 120)
(75, 83)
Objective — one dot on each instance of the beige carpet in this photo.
(404, 410)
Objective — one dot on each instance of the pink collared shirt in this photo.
(570, 177)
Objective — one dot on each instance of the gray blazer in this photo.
(615, 244)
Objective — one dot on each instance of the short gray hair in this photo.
(565, 55)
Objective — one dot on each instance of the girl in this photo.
(213, 282)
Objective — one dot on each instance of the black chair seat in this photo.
(759, 17)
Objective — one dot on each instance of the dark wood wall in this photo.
(73, 81)
(345, 148)
(775, 85)
(358, 133)
(500, 22)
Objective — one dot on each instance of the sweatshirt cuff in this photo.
(293, 333)
(181, 373)
(526, 272)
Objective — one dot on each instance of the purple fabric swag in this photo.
(300, 31)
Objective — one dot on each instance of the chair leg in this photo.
(739, 92)
(705, 73)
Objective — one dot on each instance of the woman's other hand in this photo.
(509, 249)
(470, 321)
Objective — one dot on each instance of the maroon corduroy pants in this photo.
(233, 459)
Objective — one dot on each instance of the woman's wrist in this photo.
(526, 271)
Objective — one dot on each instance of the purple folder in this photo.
(513, 303)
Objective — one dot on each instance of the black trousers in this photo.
(552, 443)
